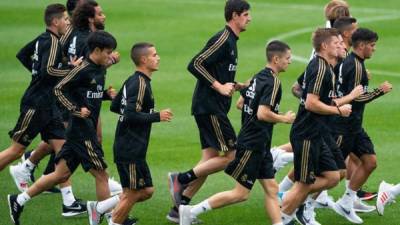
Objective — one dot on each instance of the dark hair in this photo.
(71, 5)
(101, 40)
(343, 23)
(276, 48)
(235, 6)
(323, 35)
(138, 50)
(81, 15)
(53, 11)
(363, 35)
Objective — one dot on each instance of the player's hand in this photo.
(226, 89)
(111, 92)
(386, 87)
(290, 116)
(239, 86)
(166, 115)
(357, 91)
(74, 61)
(115, 57)
(345, 110)
(85, 112)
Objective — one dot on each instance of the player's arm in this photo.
(49, 55)
(267, 100)
(213, 53)
(25, 54)
(69, 84)
(264, 113)
(116, 102)
(297, 91)
(367, 97)
(239, 103)
(315, 79)
(64, 38)
(347, 99)
(136, 93)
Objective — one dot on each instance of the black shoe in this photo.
(130, 221)
(15, 208)
(366, 195)
(300, 215)
(78, 207)
(53, 190)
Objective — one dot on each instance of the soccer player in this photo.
(215, 69)
(386, 195)
(38, 101)
(253, 159)
(81, 91)
(314, 165)
(135, 105)
(87, 17)
(350, 130)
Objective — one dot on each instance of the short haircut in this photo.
(138, 50)
(235, 6)
(323, 35)
(276, 48)
(344, 23)
(363, 35)
(329, 8)
(81, 15)
(101, 40)
(53, 11)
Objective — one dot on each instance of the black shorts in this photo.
(88, 153)
(32, 121)
(216, 131)
(333, 145)
(359, 144)
(311, 158)
(135, 176)
(248, 166)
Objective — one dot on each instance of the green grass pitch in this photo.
(179, 29)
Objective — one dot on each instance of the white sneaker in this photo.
(185, 217)
(360, 206)
(384, 197)
(280, 158)
(324, 201)
(309, 215)
(346, 210)
(115, 187)
(20, 177)
(93, 214)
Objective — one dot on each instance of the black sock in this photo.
(185, 200)
(187, 177)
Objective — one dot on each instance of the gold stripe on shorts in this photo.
(25, 123)
(95, 159)
(218, 133)
(242, 163)
(304, 161)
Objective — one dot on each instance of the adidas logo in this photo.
(93, 81)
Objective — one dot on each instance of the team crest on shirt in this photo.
(243, 178)
(26, 138)
(231, 143)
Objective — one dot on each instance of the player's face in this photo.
(242, 20)
(284, 60)
(342, 48)
(62, 23)
(99, 18)
(333, 47)
(104, 56)
(152, 59)
(369, 49)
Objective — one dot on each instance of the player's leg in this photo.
(216, 133)
(271, 205)
(127, 200)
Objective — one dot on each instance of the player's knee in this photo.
(147, 193)
(272, 190)
(240, 195)
(370, 165)
(333, 179)
(62, 177)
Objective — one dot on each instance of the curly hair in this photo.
(81, 15)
